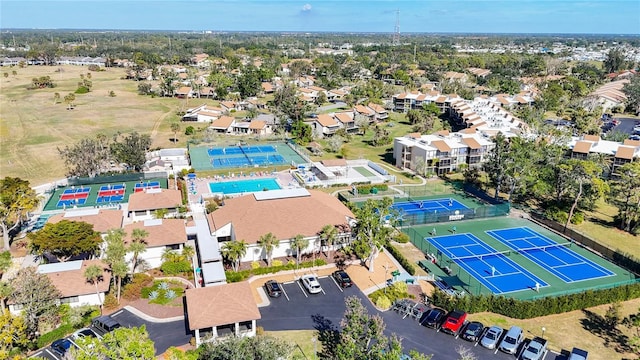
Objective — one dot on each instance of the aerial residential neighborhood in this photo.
(327, 192)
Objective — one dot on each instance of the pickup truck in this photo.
(578, 354)
(535, 350)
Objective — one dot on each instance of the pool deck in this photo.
(284, 178)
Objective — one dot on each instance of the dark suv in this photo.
(433, 318)
(342, 278)
(104, 324)
(454, 322)
(273, 288)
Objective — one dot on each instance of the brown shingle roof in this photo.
(183, 90)
(344, 118)
(166, 199)
(104, 221)
(625, 152)
(326, 120)
(285, 218)
(257, 124)
(220, 305)
(582, 147)
(471, 143)
(74, 283)
(595, 138)
(441, 145)
(223, 122)
(630, 142)
(162, 232)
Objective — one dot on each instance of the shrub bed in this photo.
(392, 293)
(366, 189)
(521, 309)
(233, 276)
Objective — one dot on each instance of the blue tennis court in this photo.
(556, 258)
(431, 205)
(491, 268)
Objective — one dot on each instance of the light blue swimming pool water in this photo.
(244, 186)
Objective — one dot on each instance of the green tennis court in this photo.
(95, 194)
(482, 230)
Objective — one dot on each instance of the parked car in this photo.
(311, 283)
(454, 322)
(491, 337)
(104, 324)
(342, 278)
(434, 318)
(578, 354)
(472, 331)
(61, 346)
(512, 340)
(85, 332)
(273, 288)
(535, 350)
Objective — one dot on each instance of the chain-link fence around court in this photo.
(431, 217)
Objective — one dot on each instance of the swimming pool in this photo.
(244, 186)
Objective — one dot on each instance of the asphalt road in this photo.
(164, 335)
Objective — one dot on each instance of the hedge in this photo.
(55, 334)
(233, 276)
(406, 264)
(175, 268)
(527, 309)
(366, 189)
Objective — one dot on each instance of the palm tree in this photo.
(234, 251)
(94, 274)
(329, 235)
(188, 252)
(268, 242)
(171, 256)
(138, 246)
(175, 127)
(298, 243)
(119, 269)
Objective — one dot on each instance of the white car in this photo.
(86, 332)
(311, 283)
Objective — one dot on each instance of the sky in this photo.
(415, 16)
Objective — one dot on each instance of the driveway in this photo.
(163, 334)
(297, 310)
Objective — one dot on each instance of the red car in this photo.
(454, 322)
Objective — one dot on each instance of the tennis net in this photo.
(543, 248)
(482, 256)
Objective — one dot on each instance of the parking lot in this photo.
(296, 309)
(163, 334)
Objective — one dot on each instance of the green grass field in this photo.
(462, 279)
(32, 127)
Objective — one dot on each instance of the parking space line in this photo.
(302, 289)
(52, 354)
(285, 292)
(117, 313)
(335, 282)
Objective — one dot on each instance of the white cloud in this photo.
(306, 7)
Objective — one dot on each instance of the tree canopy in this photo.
(17, 199)
(65, 239)
(36, 294)
(260, 347)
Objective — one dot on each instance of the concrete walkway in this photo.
(150, 318)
